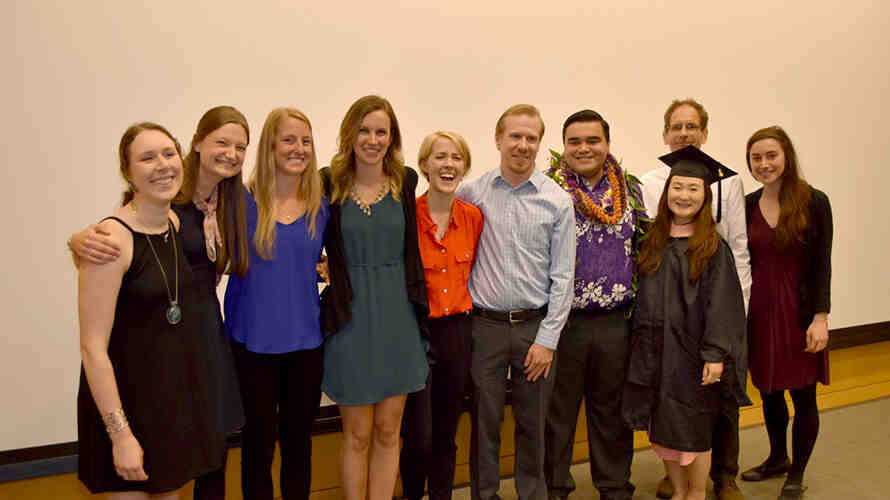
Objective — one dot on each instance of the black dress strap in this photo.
(170, 225)
(121, 222)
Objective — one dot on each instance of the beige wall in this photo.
(77, 73)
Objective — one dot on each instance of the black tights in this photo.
(803, 432)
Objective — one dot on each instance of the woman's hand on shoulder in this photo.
(94, 244)
(128, 456)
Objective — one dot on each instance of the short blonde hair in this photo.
(426, 149)
(518, 109)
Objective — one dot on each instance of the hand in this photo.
(95, 245)
(817, 335)
(710, 374)
(128, 456)
(321, 267)
(537, 362)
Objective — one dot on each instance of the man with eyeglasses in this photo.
(686, 123)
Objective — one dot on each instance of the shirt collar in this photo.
(536, 180)
(426, 221)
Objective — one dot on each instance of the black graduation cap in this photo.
(693, 162)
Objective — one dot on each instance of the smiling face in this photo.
(585, 149)
(767, 161)
(684, 129)
(154, 166)
(293, 146)
(518, 145)
(686, 195)
(222, 151)
(445, 167)
(373, 140)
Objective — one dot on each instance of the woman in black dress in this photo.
(146, 404)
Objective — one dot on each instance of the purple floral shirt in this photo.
(604, 263)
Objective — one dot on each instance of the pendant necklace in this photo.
(174, 312)
(366, 207)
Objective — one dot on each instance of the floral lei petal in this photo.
(585, 205)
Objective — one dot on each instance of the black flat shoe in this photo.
(766, 470)
(791, 491)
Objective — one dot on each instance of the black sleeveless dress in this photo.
(220, 363)
(162, 378)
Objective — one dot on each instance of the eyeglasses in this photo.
(678, 127)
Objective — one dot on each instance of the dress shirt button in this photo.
(446, 309)
(443, 250)
(445, 291)
(443, 269)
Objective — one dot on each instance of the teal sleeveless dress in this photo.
(380, 352)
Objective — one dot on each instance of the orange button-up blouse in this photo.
(447, 263)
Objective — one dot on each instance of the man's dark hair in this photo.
(586, 115)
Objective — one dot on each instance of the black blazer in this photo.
(337, 297)
(815, 283)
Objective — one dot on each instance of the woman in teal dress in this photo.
(374, 352)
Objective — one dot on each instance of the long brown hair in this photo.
(702, 244)
(794, 193)
(232, 256)
(262, 183)
(123, 151)
(343, 164)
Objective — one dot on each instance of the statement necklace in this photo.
(174, 312)
(366, 207)
(587, 206)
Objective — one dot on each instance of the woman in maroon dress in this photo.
(789, 235)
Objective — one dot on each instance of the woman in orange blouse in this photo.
(447, 230)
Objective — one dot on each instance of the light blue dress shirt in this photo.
(526, 254)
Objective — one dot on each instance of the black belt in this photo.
(517, 316)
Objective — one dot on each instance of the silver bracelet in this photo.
(115, 421)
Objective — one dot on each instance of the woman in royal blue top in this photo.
(273, 312)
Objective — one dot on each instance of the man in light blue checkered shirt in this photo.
(521, 286)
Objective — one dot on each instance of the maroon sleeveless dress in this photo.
(776, 342)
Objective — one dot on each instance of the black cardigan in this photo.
(337, 297)
(815, 283)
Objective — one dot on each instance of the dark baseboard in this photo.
(853, 336)
(61, 458)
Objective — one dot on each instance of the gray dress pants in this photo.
(499, 347)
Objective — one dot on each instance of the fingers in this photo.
(135, 473)
(534, 372)
(711, 373)
(811, 342)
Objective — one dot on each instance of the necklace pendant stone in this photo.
(174, 313)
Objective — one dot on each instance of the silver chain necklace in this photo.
(174, 312)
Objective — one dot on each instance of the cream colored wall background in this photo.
(77, 73)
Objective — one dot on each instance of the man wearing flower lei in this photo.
(594, 345)
(686, 123)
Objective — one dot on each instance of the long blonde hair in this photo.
(262, 183)
(343, 164)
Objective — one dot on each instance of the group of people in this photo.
(579, 281)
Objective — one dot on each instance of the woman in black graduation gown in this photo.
(689, 326)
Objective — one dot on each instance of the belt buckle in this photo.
(510, 317)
